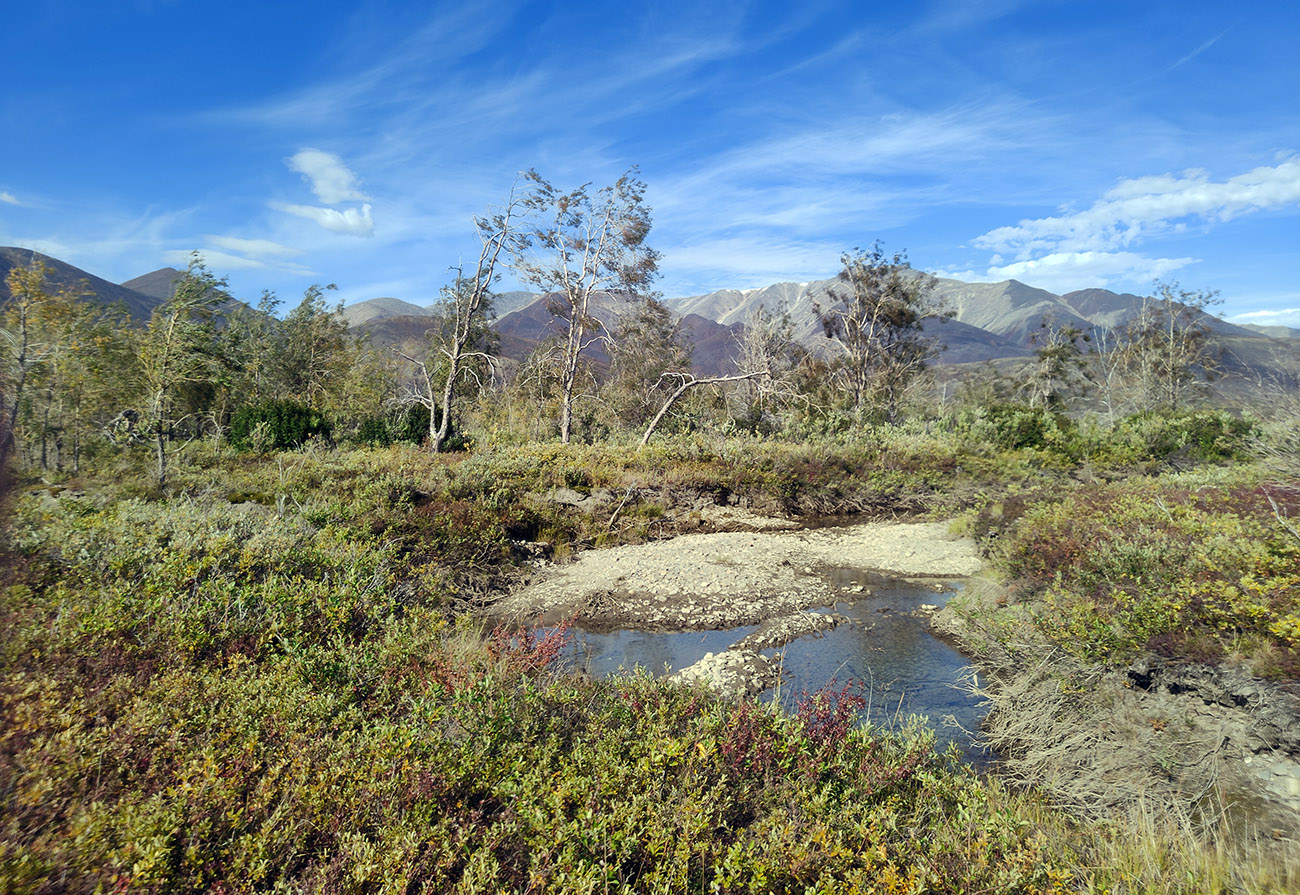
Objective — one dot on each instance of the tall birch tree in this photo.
(578, 245)
(876, 319)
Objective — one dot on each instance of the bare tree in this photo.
(876, 320)
(462, 335)
(766, 342)
(178, 348)
(584, 244)
(1167, 347)
(1108, 364)
(469, 305)
(1058, 369)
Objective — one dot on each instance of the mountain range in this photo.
(985, 322)
(62, 275)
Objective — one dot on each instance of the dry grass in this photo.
(1156, 801)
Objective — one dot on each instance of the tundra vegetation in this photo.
(238, 592)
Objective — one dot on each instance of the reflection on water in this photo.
(906, 670)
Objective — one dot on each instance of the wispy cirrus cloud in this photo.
(257, 248)
(1198, 51)
(745, 262)
(223, 253)
(777, 207)
(103, 241)
(214, 259)
(9, 198)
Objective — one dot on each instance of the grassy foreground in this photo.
(260, 682)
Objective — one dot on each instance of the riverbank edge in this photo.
(1213, 748)
(1100, 742)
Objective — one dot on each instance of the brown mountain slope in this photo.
(376, 309)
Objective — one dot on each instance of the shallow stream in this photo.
(885, 644)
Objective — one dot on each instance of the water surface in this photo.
(904, 668)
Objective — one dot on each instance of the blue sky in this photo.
(1065, 144)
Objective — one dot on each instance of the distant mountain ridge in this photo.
(989, 321)
(159, 284)
(1274, 332)
(63, 275)
(1009, 309)
(373, 309)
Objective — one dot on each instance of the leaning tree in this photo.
(179, 348)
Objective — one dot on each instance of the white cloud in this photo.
(1277, 317)
(9, 198)
(744, 262)
(257, 248)
(352, 221)
(1144, 206)
(216, 260)
(1067, 271)
(331, 180)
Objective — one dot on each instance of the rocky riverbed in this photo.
(769, 575)
(728, 579)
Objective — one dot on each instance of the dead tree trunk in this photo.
(688, 382)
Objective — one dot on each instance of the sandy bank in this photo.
(712, 581)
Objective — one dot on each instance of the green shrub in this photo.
(373, 429)
(1016, 427)
(1207, 435)
(1123, 567)
(408, 424)
(276, 425)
